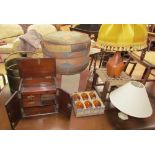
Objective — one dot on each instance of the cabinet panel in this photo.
(4, 119)
(30, 111)
(14, 109)
(65, 103)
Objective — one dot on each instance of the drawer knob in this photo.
(31, 103)
(30, 97)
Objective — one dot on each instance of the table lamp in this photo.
(131, 99)
(121, 37)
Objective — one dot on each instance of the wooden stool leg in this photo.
(102, 58)
(92, 58)
(105, 91)
(95, 59)
(94, 80)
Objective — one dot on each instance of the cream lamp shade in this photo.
(122, 37)
(132, 99)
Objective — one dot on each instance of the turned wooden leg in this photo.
(95, 60)
(92, 58)
(105, 91)
(94, 80)
(146, 75)
(102, 58)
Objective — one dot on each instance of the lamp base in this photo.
(115, 65)
(123, 116)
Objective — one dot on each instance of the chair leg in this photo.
(127, 63)
(105, 91)
(146, 75)
(149, 45)
(102, 58)
(94, 80)
(133, 67)
(143, 54)
(95, 60)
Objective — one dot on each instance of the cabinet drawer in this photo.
(31, 100)
(31, 103)
(31, 97)
(29, 111)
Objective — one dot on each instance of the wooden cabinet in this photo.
(11, 113)
(37, 88)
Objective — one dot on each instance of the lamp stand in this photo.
(123, 116)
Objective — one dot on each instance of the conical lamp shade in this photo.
(132, 99)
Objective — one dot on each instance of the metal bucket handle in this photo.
(19, 53)
(3, 77)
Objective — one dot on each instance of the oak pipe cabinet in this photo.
(11, 110)
(37, 86)
(39, 94)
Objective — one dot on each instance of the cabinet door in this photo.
(4, 120)
(14, 109)
(65, 103)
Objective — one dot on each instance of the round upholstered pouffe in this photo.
(71, 50)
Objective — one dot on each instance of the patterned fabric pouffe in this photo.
(71, 50)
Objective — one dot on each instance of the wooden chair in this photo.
(145, 58)
(37, 86)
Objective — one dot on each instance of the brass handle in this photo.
(31, 103)
(30, 97)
